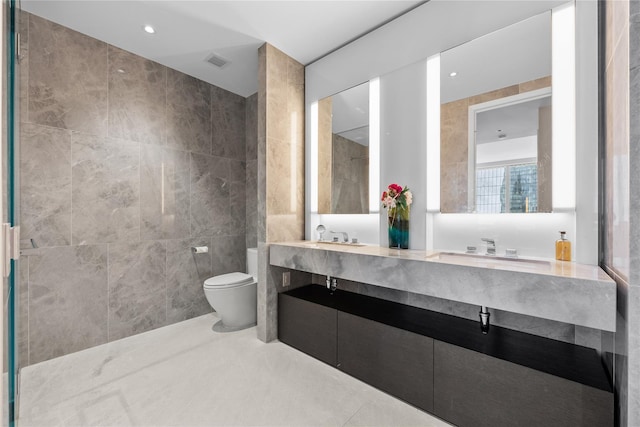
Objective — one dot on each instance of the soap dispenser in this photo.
(563, 248)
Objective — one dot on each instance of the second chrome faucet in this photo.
(345, 236)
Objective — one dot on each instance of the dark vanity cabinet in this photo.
(391, 359)
(473, 389)
(309, 327)
(444, 365)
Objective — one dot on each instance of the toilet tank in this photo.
(252, 262)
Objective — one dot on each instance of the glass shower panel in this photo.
(10, 211)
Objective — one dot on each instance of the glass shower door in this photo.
(10, 210)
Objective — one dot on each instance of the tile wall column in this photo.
(280, 171)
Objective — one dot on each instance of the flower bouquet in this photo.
(397, 201)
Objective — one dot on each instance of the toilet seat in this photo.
(229, 280)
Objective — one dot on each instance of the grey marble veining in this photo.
(532, 325)
(633, 373)
(67, 300)
(251, 203)
(186, 273)
(251, 177)
(164, 195)
(45, 173)
(237, 209)
(251, 125)
(136, 98)
(228, 124)
(210, 190)
(189, 128)
(188, 113)
(267, 297)
(110, 145)
(23, 314)
(67, 78)
(228, 254)
(633, 364)
(564, 299)
(106, 190)
(137, 288)
(23, 27)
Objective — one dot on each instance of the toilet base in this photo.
(219, 326)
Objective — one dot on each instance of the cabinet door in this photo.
(393, 360)
(472, 389)
(309, 327)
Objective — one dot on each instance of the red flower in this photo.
(384, 195)
(396, 188)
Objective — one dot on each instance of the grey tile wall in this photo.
(105, 190)
(186, 272)
(125, 165)
(46, 184)
(67, 78)
(137, 287)
(68, 296)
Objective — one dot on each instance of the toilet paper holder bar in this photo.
(200, 249)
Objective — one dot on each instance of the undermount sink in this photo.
(328, 242)
(486, 259)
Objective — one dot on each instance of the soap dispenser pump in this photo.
(563, 248)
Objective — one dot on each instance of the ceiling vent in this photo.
(216, 60)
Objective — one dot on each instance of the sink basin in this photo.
(478, 259)
(318, 243)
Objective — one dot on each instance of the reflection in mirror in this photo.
(343, 152)
(512, 162)
(496, 121)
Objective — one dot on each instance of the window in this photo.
(509, 188)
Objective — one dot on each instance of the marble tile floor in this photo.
(187, 375)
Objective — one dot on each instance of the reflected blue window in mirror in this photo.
(509, 188)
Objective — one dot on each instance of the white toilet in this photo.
(234, 296)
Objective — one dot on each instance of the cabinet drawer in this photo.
(309, 327)
(391, 359)
(473, 389)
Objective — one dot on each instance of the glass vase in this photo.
(398, 220)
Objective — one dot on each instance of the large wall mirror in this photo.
(343, 152)
(495, 121)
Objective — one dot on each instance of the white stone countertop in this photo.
(568, 292)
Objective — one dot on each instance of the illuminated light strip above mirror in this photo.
(374, 145)
(563, 108)
(433, 133)
(313, 166)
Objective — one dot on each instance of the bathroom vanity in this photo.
(567, 292)
(443, 364)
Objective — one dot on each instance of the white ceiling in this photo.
(187, 32)
(513, 121)
(518, 53)
(350, 114)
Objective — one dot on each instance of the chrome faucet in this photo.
(332, 284)
(345, 236)
(484, 319)
(491, 245)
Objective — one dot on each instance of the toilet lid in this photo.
(228, 280)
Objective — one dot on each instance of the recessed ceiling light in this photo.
(149, 29)
(121, 71)
(453, 74)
